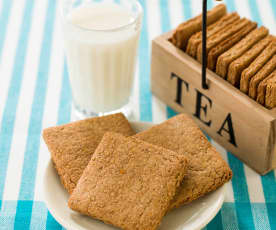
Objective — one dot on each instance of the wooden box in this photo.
(238, 123)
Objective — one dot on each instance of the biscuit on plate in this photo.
(185, 30)
(128, 183)
(239, 49)
(256, 65)
(227, 44)
(206, 170)
(267, 69)
(196, 39)
(72, 145)
(237, 66)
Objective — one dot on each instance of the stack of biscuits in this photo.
(132, 180)
(237, 50)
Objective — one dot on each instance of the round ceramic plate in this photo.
(189, 217)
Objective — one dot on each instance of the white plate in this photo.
(189, 217)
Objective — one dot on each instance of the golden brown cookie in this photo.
(220, 36)
(237, 66)
(185, 30)
(72, 145)
(196, 39)
(206, 169)
(267, 69)
(261, 92)
(270, 97)
(256, 65)
(239, 49)
(227, 44)
(128, 183)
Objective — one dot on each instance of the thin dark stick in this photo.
(204, 61)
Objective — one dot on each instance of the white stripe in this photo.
(9, 49)
(52, 101)
(229, 194)
(254, 184)
(196, 6)
(135, 100)
(18, 146)
(175, 9)
(243, 8)
(154, 30)
(267, 15)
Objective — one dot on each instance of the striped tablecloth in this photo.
(35, 93)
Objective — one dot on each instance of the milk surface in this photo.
(101, 56)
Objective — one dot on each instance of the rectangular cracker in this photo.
(206, 169)
(261, 92)
(237, 66)
(220, 36)
(227, 44)
(72, 145)
(196, 39)
(256, 65)
(128, 183)
(185, 30)
(267, 69)
(239, 49)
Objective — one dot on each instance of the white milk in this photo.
(101, 56)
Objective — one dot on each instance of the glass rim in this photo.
(119, 28)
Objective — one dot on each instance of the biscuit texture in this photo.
(267, 69)
(196, 39)
(185, 30)
(227, 44)
(261, 92)
(270, 97)
(128, 183)
(72, 145)
(237, 66)
(220, 36)
(256, 65)
(206, 170)
(239, 49)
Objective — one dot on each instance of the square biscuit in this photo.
(186, 29)
(128, 183)
(261, 92)
(237, 66)
(256, 65)
(238, 50)
(264, 72)
(72, 145)
(196, 39)
(206, 170)
(227, 44)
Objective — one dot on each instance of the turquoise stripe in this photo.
(255, 14)
(241, 195)
(230, 5)
(39, 214)
(34, 132)
(187, 11)
(8, 119)
(7, 214)
(229, 216)
(63, 117)
(4, 18)
(273, 6)
(215, 223)
(145, 97)
(64, 112)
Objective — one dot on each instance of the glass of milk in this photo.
(101, 40)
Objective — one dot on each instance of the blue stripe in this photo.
(230, 5)
(186, 6)
(33, 140)
(273, 6)
(39, 214)
(255, 14)
(63, 117)
(4, 18)
(241, 195)
(145, 98)
(215, 223)
(8, 119)
(64, 112)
